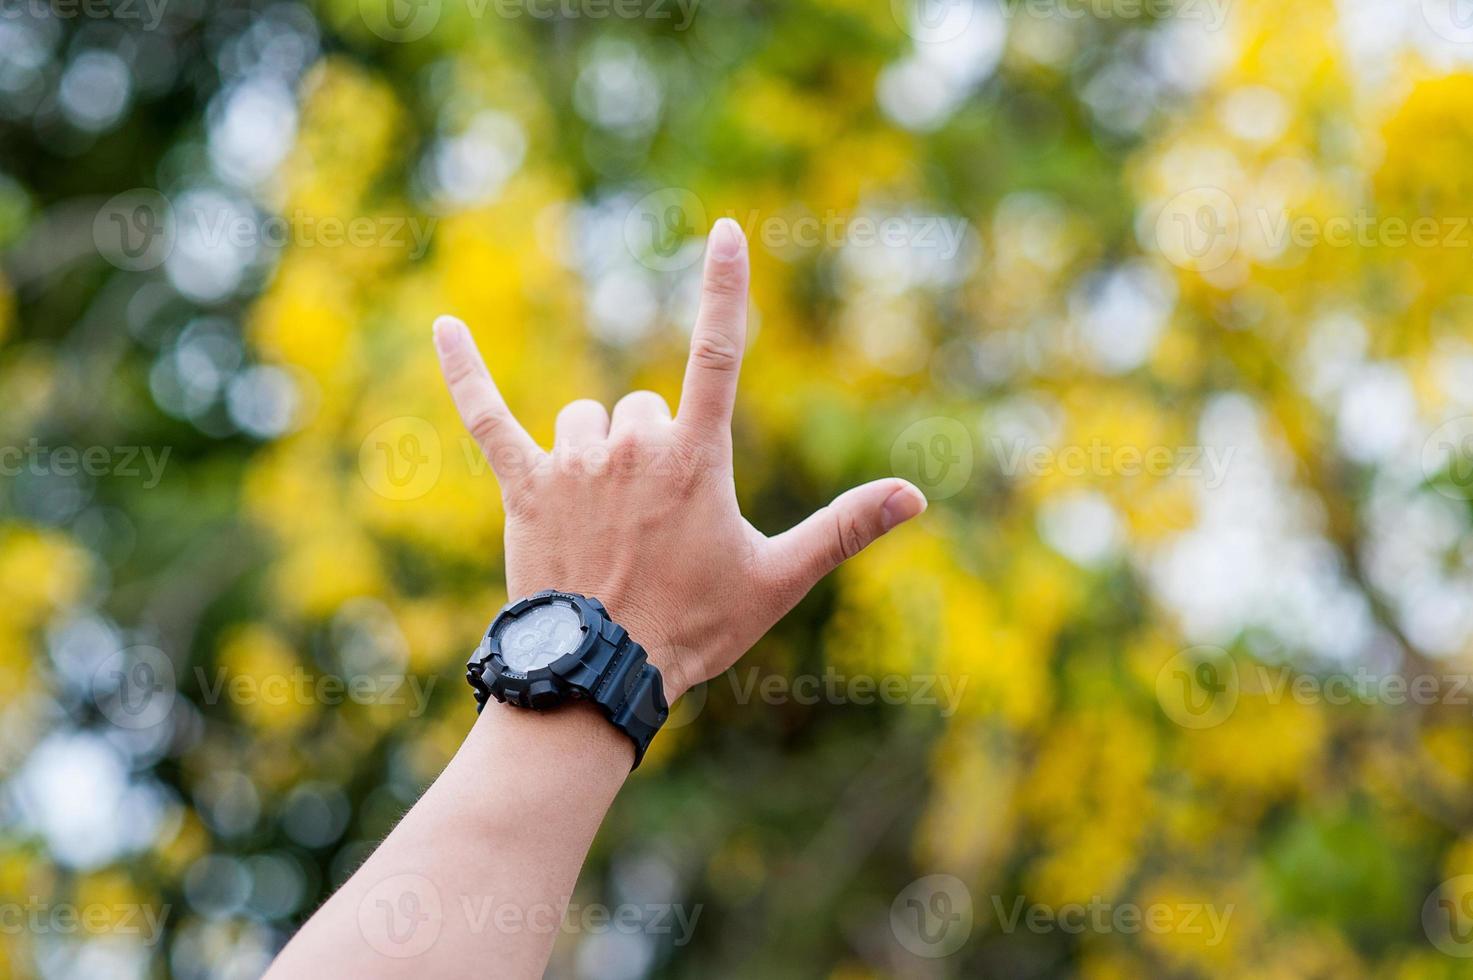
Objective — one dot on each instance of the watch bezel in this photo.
(608, 668)
(506, 683)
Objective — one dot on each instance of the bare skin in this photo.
(474, 880)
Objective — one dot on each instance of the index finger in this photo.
(503, 441)
(720, 335)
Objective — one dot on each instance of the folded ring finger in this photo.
(638, 410)
(581, 424)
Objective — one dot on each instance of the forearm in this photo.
(480, 870)
(639, 511)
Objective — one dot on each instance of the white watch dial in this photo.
(541, 635)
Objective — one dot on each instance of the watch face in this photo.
(541, 635)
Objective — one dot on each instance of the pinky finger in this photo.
(506, 445)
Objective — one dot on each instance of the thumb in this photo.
(833, 534)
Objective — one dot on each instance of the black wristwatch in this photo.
(554, 647)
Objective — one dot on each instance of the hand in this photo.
(640, 510)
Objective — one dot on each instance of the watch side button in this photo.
(542, 694)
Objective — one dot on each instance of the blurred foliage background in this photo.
(1131, 289)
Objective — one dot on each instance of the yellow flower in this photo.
(318, 574)
(40, 571)
(256, 662)
(108, 900)
(189, 842)
(970, 821)
(1197, 928)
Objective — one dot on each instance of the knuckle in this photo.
(689, 461)
(459, 371)
(484, 425)
(519, 499)
(715, 353)
(626, 453)
(725, 284)
(848, 538)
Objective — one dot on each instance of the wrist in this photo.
(556, 648)
(575, 739)
(652, 630)
(669, 658)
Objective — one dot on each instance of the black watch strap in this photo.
(631, 694)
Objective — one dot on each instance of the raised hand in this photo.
(639, 509)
